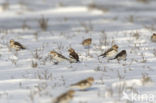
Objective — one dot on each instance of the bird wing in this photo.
(20, 45)
(59, 98)
(80, 83)
(61, 56)
(118, 55)
(104, 54)
(74, 55)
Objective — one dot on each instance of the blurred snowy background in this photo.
(44, 25)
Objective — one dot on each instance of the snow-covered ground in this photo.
(127, 23)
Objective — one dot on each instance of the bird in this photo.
(111, 52)
(121, 55)
(58, 57)
(74, 57)
(16, 45)
(83, 84)
(87, 42)
(65, 97)
(153, 37)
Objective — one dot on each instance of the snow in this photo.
(127, 23)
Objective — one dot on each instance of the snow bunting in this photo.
(58, 57)
(111, 52)
(73, 55)
(16, 45)
(65, 97)
(121, 56)
(153, 37)
(87, 42)
(83, 84)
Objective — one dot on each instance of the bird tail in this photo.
(102, 55)
(23, 47)
(78, 61)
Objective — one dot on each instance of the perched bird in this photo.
(83, 84)
(58, 57)
(87, 42)
(111, 52)
(153, 37)
(121, 56)
(16, 45)
(65, 97)
(73, 55)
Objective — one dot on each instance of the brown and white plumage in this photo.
(16, 45)
(58, 57)
(121, 55)
(65, 97)
(153, 37)
(73, 55)
(111, 52)
(83, 84)
(87, 42)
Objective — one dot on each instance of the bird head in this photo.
(90, 79)
(70, 50)
(53, 53)
(115, 47)
(12, 41)
(71, 92)
(123, 51)
(154, 34)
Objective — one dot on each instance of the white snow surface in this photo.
(127, 23)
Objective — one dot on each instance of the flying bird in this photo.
(74, 57)
(65, 97)
(16, 45)
(83, 84)
(121, 55)
(153, 37)
(111, 52)
(58, 57)
(87, 42)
